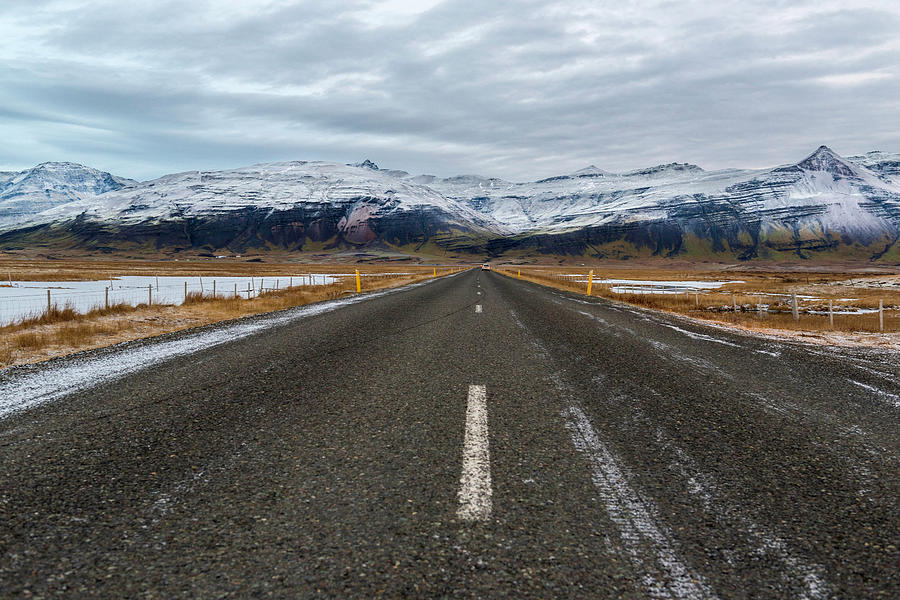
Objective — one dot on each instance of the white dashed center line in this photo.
(478, 308)
(475, 482)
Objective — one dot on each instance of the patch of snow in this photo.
(894, 399)
(699, 336)
(641, 286)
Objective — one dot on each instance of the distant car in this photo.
(485, 267)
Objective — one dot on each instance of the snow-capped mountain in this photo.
(884, 164)
(824, 203)
(284, 204)
(27, 193)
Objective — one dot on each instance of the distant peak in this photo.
(56, 165)
(670, 168)
(824, 150)
(826, 159)
(591, 171)
(367, 164)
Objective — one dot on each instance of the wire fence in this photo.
(707, 296)
(27, 299)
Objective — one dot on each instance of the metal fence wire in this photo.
(27, 299)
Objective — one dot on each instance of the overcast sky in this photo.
(519, 90)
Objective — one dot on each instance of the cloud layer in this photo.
(518, 90)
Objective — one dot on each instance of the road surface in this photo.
(476, 436)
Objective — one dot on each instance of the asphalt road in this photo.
(477, 436)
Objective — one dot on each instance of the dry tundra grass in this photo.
(62, 330)
(771, 289)
(23, 269)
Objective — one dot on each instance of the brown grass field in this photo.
(43, 269)
(62, 330)
(845, 290)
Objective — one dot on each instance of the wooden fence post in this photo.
(831, 313)
(185, 289)
(106, 302)
(149, 295)
(880, 315)
(214, 288)
(48, 301)
(794, 310)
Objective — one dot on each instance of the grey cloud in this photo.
(512, 89)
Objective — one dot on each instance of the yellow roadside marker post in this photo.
(358, 286)
(590, 281)
(435, 272)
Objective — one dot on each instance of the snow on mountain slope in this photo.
(852, 199)
(287, 204)
(588, 197)
(26, 193)
(816, 203)
(823, 193)
(275, 186)
(666, 171)
(885, 164)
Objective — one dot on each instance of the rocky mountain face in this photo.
(824, 205)
(27, 193)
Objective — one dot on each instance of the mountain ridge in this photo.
(50, 184)
(822, 204)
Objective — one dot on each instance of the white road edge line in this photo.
(475, 483)
(643, 539)
(478, 308)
